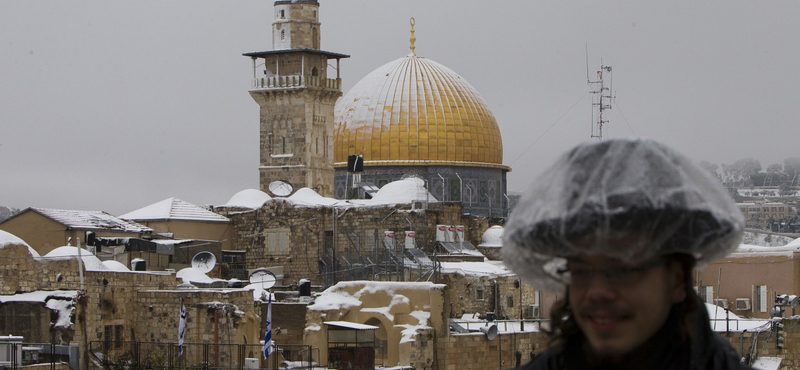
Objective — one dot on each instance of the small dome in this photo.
(403, 192)
(248, 198)
(7, 238)
(493, 237)
(90, 261)
(414, 111)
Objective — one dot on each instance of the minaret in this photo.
(296, 98)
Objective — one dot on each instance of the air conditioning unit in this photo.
(742, 304)
(251, 363)
(534, 312)
(721, 302)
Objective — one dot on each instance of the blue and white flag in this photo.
(268, 334)
(181, 330)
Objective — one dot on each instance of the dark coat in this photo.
(705, 350)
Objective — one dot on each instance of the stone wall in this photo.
(357, 236)
(475, 351)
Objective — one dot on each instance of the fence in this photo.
(152, 355)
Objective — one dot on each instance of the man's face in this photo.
(620, 306)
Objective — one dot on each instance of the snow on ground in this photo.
(7, 238)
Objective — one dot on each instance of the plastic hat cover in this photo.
(626, 199)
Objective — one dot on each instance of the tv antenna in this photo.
(601, 96)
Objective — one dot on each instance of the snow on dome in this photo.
(116, 266)
(403, 191)
(7, 238)
(309, 197)
(90, 261)
(493, 237)
(193, 275)
(248, 198)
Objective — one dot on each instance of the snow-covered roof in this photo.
(728, 321)
(338, 298)
(91, 220)
(404, 191)
(174, 209)
(486, 268)
(7, 238)
(351, 325)
(248, 198)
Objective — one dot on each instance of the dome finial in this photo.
(413, 39)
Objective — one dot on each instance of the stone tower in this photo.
(296, 99)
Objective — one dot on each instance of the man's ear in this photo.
(678, 282)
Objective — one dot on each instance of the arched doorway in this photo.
(381, 340)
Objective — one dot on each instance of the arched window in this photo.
(314, 72)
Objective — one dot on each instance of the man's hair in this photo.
(563, 326)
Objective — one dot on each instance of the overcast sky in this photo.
(117, 105)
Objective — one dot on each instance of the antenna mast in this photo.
(601, 98)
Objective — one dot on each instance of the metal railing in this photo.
(277, 82)
(135, 355)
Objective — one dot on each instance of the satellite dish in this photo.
(204, 261)
(263, 277)
(280, 188)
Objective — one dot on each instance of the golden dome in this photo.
(414, 111)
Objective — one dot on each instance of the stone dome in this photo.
(493, 237)
(414, 111)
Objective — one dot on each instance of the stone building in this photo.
(179, 219)
(46, 229)
(327, 240)
(296, 99)
(103, 312)
(407, 324)
(748, 280)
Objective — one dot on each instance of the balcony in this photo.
(281, 82)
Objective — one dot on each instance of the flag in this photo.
(181, 329)
(268, 332)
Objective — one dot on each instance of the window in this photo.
(283, 35)
(479, 294)
(118, 336)
(759, 298)
(277, 241)
(510, 301)
(707, 294)
(283, 14)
